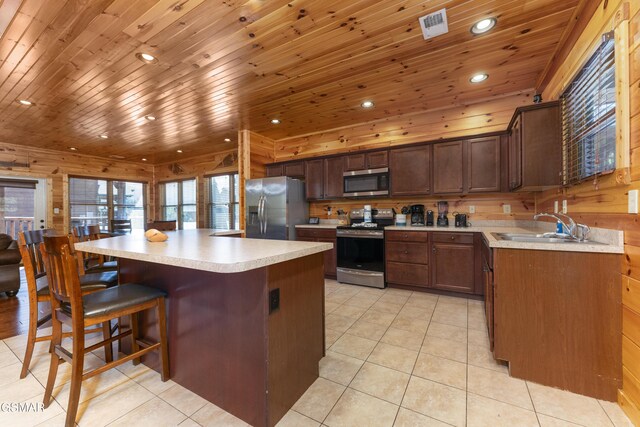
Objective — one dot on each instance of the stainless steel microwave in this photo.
(366, 183)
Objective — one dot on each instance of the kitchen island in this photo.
(245, 316)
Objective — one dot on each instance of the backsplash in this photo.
(487, 207)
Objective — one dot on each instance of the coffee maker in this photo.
(417, 215)
(443, 211)
(429, 218)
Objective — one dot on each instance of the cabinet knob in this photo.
(406, 252)
(433, 249)
(453, 237)
(405, 235)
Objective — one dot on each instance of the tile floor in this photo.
(394, 358)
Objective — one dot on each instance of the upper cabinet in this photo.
(483, 165)
(314, 179)
(535, 148)
(333, 181)
(410, 171)
(448, 167)
(292, 170)
(361, 161)
(323, 178)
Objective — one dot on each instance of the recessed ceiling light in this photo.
(25, 102)
(146, 58)
(483, 26)
(150, 117)
(178, 151)
(477, 78)
(144, 160)
(275, 121)
(103, 136)
(227, 140)
(72, 148)
(367, 104)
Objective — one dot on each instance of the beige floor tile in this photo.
(294, 419)
(40, 368)
(337, 298)
(155, 412)
(339, 367)
(547, 421)
(402, 338)
(383, 383)
(411, 325)
(394, 357)
(212, 416)
(331, 336)
(568, 406)
(444, 403)
(189, 423)
(441, 370)
(378, 317)
(478, 338)
(445, 300)
(414, 312)
(481, 356)
(182, 399)
(407, 418)
(15, 342)
(330, 307)
(368, 330)
(448, 349)
(350, 311)
(337, 322)
(8, 358)
(450, 314)
(477, 321)
(318, 400)
(4, 347)
(152, 381)
(616, 414)
(391, 298)
(484, 412)
(34, 415)
(10, 374)
(20, 390)
(112, 405)
(364, 301)
(92, 387)
(386, 307)
(499, 386)
(354, 346)
(358, 409)
(453, 333)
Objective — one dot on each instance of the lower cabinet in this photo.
(487, 280)
(453, 262)
(407, 258)
(325, 235)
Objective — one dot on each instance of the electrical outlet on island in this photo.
(506, 209)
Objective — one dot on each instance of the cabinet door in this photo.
(294, 170)
(274, 170)
(355, 162)
(488, 301)
(378, 159)
(515, 154)
(333, 180)
(410, 171)
(314, 179)
(448, 167)
(483, 165)
(452, 267)
(330, 258)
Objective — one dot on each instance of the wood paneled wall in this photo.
(487, 207)
(489, 115)
(57, 166)
(603, 202)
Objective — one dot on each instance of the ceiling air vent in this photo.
(434, 24)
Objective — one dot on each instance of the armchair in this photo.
(9, 265)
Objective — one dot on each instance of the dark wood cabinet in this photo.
(407, 258)
(274, 170)
(360, 161)
(453, 262)
(410, 171)
(535, 148)
(294, 170)
(483, 165)
(448, 167)
(333, 180)
(314, 179)
(325, 235)
(487, 279)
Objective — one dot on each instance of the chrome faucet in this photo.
(575, 231)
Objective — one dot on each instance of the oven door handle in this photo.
(361, 273)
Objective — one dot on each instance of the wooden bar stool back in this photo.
(121, 226)
(69, 306)
(92, 262)
(38, 289)
(161, 225)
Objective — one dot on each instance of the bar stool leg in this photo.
(135, 334)
(162, 334)
(56, 339)
(31, 339)
(108, 348)
(77, 366)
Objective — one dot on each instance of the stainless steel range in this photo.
(361, 248)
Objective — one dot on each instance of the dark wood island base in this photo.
(225, 346)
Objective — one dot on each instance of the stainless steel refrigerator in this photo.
(274, 206)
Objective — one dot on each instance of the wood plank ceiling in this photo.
(225, 65)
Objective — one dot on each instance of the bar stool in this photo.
(161, 225)
(92, 263)
(121, 226)
(38, 290)
(71, 307)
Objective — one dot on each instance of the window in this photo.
(589, 117)
(224, 207)
(98, 201)
(178, 200)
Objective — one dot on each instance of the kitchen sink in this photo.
(539, 238)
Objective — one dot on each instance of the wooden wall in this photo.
(603, 202)
(489, 115)
(57, 166)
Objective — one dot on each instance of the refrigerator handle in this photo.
(264, 215)
(261, 213)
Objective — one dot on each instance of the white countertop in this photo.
(613, 239)
(198, 250)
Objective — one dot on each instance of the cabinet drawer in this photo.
(417, 253)
(453, 237)
(407, 274)
(407, 236)
(316, 232)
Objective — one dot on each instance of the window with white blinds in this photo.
(224, 210)
(589, 117)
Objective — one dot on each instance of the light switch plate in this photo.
(564, 207)
(633, 201)
(472, 209)
(555, 206)
(506, 209)
(56, 211)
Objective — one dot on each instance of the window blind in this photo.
(589, 117)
